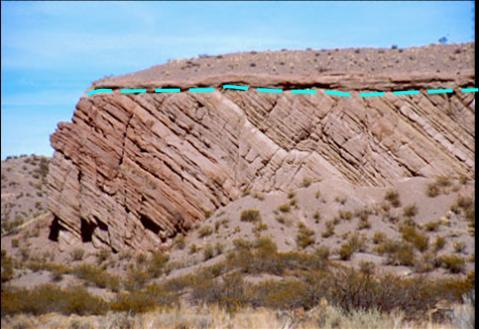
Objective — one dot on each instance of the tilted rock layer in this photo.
(131, 171)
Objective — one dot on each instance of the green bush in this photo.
(306, 182)
(205, 231)
(285, 208)
(378, 237)
(180, 242)
(329, 229)
(439, 243)
(346, 251)
(432, 190)
(7, 267)
(208, 252)
(397, 252)
(157, 263)
(432, 226)
(393, 198)
(411, 234)
(459, 246)
(50, 298)
(97, 276)
(305, 236)
(346, 215)
(147, 299)
(289, 294)
(250, 215)
(453, 263)
(410, 211)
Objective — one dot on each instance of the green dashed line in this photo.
(132, 91)
(167, 90)
(337, 93)
(269, 90)
(235, 87)
(100, 91)
(279, 90)
(201, 90)
(439, 91)
(303, 91)
(372, 94)
(406, 92)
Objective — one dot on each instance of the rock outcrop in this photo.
(132, 171)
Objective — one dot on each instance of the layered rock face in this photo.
(132, 171)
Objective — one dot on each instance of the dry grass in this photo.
(324, 316)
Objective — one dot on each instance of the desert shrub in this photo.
(7, 267)
(432, 190)
(208, 252)
(329, 229)
(378, 237)
(143, 300)
(97, 276)
(259, 227)
(305, 236)
(443, 181)
(102, 255)
(15, 243)
(258, 196)
(48, 266)
(364, 224)
(459, 246)
(353, 290)
(426, 263)
(346, 251)
(317, 217)
(291, 195)
(250, 215)
(293, 203)
(453, 263)
(282, 220)
(288, 294)
(439, 243)
(230, 293)
(194, 249)
(397, 252)
(207, 213)
(77, 254)
(317, 194)
(306, 182)
(410, 211)
(355, 243)
(180, 241)
(242, 243)
(136, 278)
(432, 226)
(340, 199)
(322, 253)
(205, 231)
(49, 298)
(157, 263)
(285, 208)
(56, 276)
(346, 215)
(411, 234)
(367, 267)
(393, 198)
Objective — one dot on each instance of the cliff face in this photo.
(131, 171)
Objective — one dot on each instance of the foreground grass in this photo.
(324, 316)
(307, 285)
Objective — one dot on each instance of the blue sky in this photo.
(52, 51)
